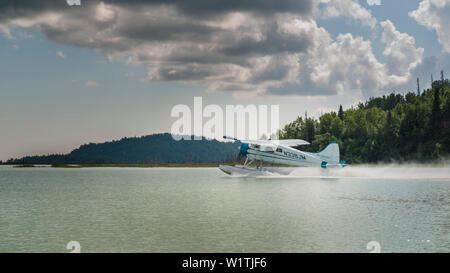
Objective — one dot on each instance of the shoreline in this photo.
(203, 165)
(162, 165)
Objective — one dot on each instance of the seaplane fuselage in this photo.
(280, 155)
(280, 152)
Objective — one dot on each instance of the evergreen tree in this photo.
(435, 118)
(341, 112)
(418, 87)
(388, 136)
(310, 130)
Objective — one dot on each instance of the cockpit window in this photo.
(279, 150)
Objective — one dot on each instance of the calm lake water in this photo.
(204, 210)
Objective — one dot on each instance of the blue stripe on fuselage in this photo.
(272, 155)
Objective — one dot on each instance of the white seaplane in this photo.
(280, 152)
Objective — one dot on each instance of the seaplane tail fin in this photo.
(330, 153)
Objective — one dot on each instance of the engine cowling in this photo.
(244, 148)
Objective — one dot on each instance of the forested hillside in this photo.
(152, 149)
(411, 127)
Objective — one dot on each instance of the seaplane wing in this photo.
(280, 152)
(258, 142)
(264, 143)
(290, 142)
(273, 142)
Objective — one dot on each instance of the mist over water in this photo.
(382, 171)
(408, 171)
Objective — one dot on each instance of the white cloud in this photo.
(105, 13)
(60, 54)
(401, 54)
(374, 2)
(348, 64)
(6, 32)
(91, 83)
(347, 8)
(344, 65)
(435, 15)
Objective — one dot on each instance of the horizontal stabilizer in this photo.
(330, 154)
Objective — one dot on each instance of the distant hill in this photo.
(157, 148)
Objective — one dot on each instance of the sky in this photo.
(103, 70)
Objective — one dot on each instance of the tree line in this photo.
(394, 127)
